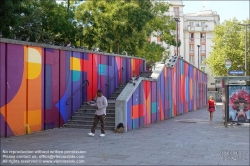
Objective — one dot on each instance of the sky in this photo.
(226, 9)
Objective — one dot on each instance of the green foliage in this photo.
(228, 43)
(153, 52)
(42, 21)
(111, 25)
(117, 26)
(10, 11)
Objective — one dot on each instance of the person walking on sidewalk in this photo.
(211, 107)
(100, 106)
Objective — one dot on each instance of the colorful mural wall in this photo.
(177, 90)
(36, 82)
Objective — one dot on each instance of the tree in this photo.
(43, 21)
(117, 26)
(10, 13)
(228, 43)
(113, 24)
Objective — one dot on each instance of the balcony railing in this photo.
(191, 51)
(203, 51)
(176, 14)
(197, 28)
(203, 39)
(191, 39)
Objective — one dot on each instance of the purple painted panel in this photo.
(124, 75)
(51, 113)
(76, 84)
(15, 60)
(2, 89)
(103, 71)
(111, 73)
(2, 75)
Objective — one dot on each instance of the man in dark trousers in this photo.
(100, 106)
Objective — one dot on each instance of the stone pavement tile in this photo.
(151, 147)
(176, 157)
(144, 163)
(92, 160)
(176, 162)
(179, 152)
(231, 162)
(216, 157)
(139, 153)
(154, 159)
(201, 147)
(197, 160)
(133, 160)
(112, 162)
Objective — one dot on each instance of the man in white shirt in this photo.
(100, 106)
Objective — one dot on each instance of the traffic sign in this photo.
(228, 63)
(236, 72)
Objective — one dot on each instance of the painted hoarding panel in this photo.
(37, 82)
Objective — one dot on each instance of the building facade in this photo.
(193, 29)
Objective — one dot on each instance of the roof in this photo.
(202, 13)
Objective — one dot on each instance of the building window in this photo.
(203, 24)
(203, 69)
(176, 11)
(203, 48)
(203, 37)
(197, 24)
(191, 24)
(191, 59)
(191, 36)
(203, 59)
(191, 48)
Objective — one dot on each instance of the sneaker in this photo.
(102, 135)
(91, 134)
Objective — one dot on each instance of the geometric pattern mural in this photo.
(36, 82)
(177, 90)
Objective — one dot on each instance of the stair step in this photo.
(112, 106)
(89, 122)
(75, 117)
(93, 111)
(88, 126)
(92, 114)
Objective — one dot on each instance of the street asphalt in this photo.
(188, 139)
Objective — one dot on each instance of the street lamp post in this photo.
(177, 20)
(245, 46)
(198, 56)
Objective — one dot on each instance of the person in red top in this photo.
(211, 107)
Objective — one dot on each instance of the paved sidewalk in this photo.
(189, 139)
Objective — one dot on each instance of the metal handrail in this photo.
(114, 76)
(86, 82)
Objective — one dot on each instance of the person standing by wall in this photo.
(100, 106)
(211, 107)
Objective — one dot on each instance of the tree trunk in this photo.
(68, 5)
(118, 47)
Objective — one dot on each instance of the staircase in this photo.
(84, 116)
(146, 74)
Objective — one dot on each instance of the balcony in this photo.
(203, 39)
(191, 39)
(175, 14)
(203, 51)
(196, 28)
(191, 51)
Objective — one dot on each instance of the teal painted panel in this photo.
(76, 75)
